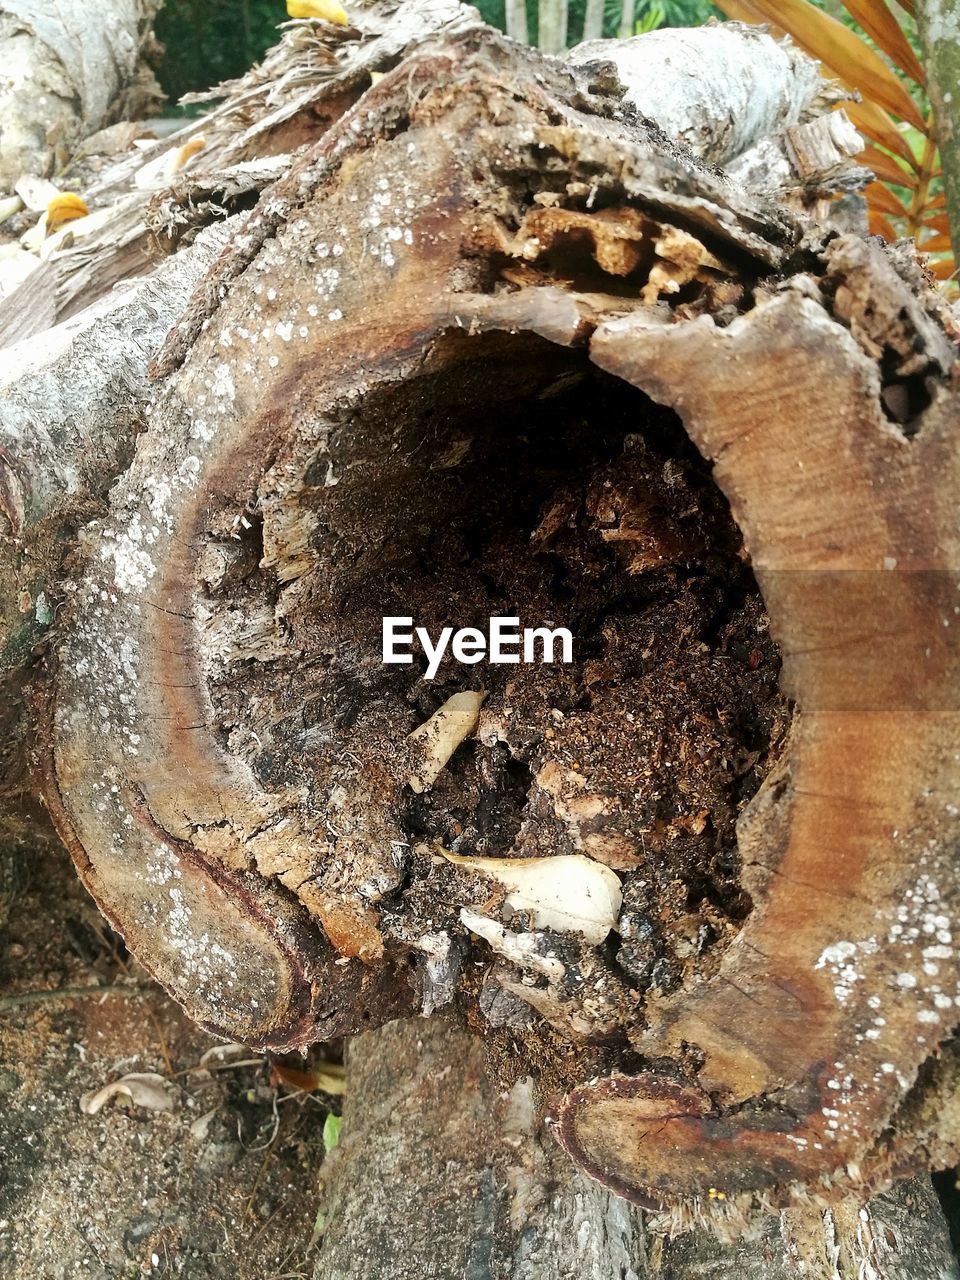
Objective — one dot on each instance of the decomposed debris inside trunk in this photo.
(389, 402)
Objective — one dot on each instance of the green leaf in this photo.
(331, 1132)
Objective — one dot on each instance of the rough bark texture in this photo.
(72, 406)
(56, 396)
(64, 67)
(939, 24)
(426, 1129)
(423, 1113)
(216, 163)
(229, 770)
(717, 89)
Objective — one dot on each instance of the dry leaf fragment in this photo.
(10, 205)
(438, 738)
(36, 193)
(144, 1089)
(219, 1053)
(569, 893)
(522, 949)
(200, 1127)
(328, 1077)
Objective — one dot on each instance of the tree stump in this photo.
(496, 346)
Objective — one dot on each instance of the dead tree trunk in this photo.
(65, 66)
(476, 350)
(424, 1125)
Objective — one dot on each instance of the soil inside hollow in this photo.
(508, 476)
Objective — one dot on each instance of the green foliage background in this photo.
(212, 40)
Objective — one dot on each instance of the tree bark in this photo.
(322, 334)
(593, 20)
(749, 87)
(423, 1122)
(424, 1125)
(516, 14)
(65, 66)
(553, 26)
(939, 25)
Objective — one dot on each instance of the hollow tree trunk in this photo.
(577, 261)
(64, 67)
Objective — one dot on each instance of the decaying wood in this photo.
(56, 395)
(176, 784)
(847, 961)
(424, 1124)
(72, 406)
(422, 1113)
(214, 165)
(485, 228)
(303, 84)
(64, 67)
(775, 84)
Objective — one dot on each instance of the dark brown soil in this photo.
(508, 476)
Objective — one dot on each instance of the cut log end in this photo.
(449, 407)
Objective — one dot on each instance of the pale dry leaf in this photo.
(220, 1053)
(438, 738)
(144, 1089)
(569, 893)
(522, 949)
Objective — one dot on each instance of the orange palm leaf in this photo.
(943, 268)
(879, 196)
(741, 11)
(880, 225)
(885, 167)
(937, 244)
(939, 222)
(883, 28)
(878, 127)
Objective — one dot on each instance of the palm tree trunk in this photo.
(627, 19)
(553, 26)
(593, 20)
(516, 11)
(939, 24)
